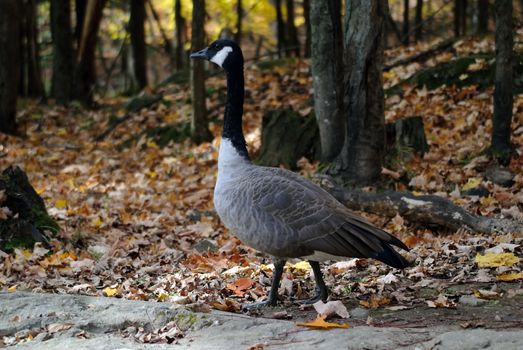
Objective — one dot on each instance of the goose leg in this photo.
(273, 294)
(321, 289)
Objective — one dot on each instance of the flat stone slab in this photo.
(103, 323)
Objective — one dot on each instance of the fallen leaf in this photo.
(441, 302)
(496, 259)
(239, 286)
(320, 323)
(473, 182)
(58, 327)
(509, 277)
(302, 266)
(110, 292)
(486, 294)
(374, 302)
(11, 289)
(60, 203)
(331, 308)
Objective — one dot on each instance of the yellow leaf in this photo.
(486, 294)
(152, 174)
(302, 266)
(61, 132)
(374, 302)
(473, 182)
(163, 296)
(320, 322)
(11, 289)
(60, 203)
(463, 76)
(151, 144)
(512, 276)
(496, 259)
(110, 292)
(97, 222)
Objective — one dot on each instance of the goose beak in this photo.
(202, 54)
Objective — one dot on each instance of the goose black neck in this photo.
(232, 121)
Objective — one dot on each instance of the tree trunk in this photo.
(80, 6)
(463, 18)
(503, 94)
(362, 153)
(199, 130)
(180, 24)
(418, 33)
(406, 25)
(85, 72)
(327, 73)
(9, 63)
(239, 15)
(31, 76)
(62, 79)
(280, 29)
(137, 31)
(482, 17)
(457, 18)
(307, 18)
(292, 33)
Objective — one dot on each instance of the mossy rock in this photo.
(456, 72)
(280, 62)
(28, 221)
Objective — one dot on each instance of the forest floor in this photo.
(138, 221)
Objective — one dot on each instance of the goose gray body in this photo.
(277, 211)
(282, 214)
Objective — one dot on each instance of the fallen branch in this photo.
(428, 210)
(424, 55)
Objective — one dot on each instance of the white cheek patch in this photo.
(221, 55)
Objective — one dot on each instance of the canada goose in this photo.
(277, 211)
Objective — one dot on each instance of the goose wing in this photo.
(303, 220)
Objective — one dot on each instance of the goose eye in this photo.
(218, 47)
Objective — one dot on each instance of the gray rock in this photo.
(106, 321)
(500, 175)
(471, 300)
(359, 313)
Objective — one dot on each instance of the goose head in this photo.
(223, 52)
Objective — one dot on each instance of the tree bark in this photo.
(199, 129)
(463, 18)
(327, 73)
(239, 17)
(362, 153)
(457, 17)
(180, 24)
(418, 32)
(85, 72)
(31, 78)
(482, 17)
(406, 24)
(280, 29)
(80, 6)
(137, 31)
(9, 63)
(62, 79)
(292, 32)
(503, 92)
(308, 34)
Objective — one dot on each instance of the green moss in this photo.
(185, 320)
